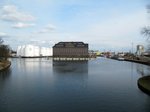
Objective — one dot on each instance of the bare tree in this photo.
(146, 30)
(4, 50)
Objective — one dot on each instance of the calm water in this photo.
(101, 85)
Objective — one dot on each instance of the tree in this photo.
(4, 50)
(146, 30)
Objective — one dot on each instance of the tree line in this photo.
(4, 50)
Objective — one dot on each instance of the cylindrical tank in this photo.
(22, 50)
(29, 51)
(19, 51)
(42, 51)
(36, 51)
(33, 51)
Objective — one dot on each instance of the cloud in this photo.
(2, 35)
(121, 25)
(42, 42)
(118, 31)
(20, 25)
(47, 29)
(11, 13)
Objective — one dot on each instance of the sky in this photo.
(106, 25)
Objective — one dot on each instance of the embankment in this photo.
(4, 65)
(144, 84)
(138, 61)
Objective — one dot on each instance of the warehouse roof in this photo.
(70, 44)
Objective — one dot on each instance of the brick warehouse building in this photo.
(70, 49)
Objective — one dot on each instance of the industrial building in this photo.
(70, 49)
(140, 50)
(33, 51)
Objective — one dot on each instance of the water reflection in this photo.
(147, 104)
(141, 69)
(33, 65)
(70, 67)
(72, 75)
(100, 85)
(144, 70)
(5, 74)
(28, 64)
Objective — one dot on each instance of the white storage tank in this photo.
(19, 51)
(29, 51)
(36, 51)
(46, 51)
(43, 51)
(22, 50)
(50, 52)
(33, 51)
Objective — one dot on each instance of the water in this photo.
(101, 85)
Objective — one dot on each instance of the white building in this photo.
(33, 51)
(22, 50)
(36, 51)
(43, 51)
(19, 51)
(140, 50)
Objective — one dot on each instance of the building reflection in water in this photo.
(28, 64)
(70, 74)
(33, 65)
(70, 67)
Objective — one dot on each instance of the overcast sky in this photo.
(104, 24)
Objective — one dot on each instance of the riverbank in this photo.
(4, 64)
(138, 61)
(144, 84)
(142, 60)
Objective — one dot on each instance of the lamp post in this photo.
(132, 50)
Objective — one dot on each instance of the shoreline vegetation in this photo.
(4, 64)
(144, 84)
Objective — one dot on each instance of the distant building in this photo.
(33, 51)
(140, 50)
(70, 49)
